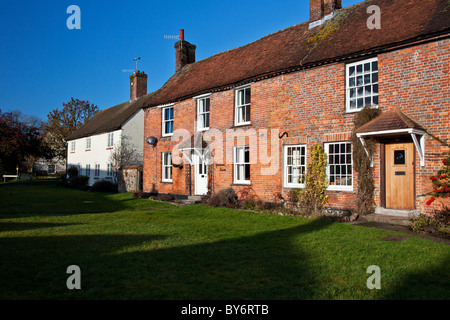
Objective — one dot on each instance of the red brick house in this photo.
(247, 117)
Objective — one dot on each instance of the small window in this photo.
(242, 106)
(51, 169)
(242, 164)
(88, 170)
(294, 166)
(110, 139)
(109, 169)
(167, 166)
(362, 84)
(167, 121)
(97, 170)
(72, 146)
(88, 143)
(399, 157)
(339, 166)
(203, 106)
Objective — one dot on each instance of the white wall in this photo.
(133, 128)
(99, 153)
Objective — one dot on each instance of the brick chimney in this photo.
(138, 84)
(184, 52)
(318, 9)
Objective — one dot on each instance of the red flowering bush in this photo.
(441, 182)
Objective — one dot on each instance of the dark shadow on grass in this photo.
(436, 280)
(26, 201)
(263, 266)
(21, 226)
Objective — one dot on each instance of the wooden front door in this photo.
(400, 176)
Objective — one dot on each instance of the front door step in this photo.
(409, 214)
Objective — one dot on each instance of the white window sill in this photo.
(246, 182)
(242, 124)
(293, 186)
(340, 188)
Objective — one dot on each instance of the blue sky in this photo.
(44, 64)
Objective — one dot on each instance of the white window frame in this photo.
(110, 143)
(202, 113)
(327, 151)
(165, 166)
(355, 88)
(72, 146)
(237, 164)
(238, 106)
(164, 121)
(97, 170)
(286, 165)
(88, 170)
(88, 143)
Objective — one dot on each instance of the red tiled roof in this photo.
(344, 36)
(394, 119)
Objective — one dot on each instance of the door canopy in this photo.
(394, 123)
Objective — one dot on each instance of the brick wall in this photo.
(309, 106)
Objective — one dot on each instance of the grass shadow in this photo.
(22, 226)
(262, 266)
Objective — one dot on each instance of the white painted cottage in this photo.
(90, 147)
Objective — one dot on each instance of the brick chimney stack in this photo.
(138, 84)
(319, 9)
(184, 52)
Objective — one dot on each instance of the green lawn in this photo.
(140, 249)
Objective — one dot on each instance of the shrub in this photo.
(312, 198)
(166, 197)
(72, 172)
(224, 198)
(81, 182)
(252, 203)
(441, 182)
(436, 225)
(104, 186)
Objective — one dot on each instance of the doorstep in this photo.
(396, 213)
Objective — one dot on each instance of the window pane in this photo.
(374, 65)
(375, 77)
(247, 95)
(352, 82)
(359, 69)
(207, 120)
(247, 113)
(351, 71)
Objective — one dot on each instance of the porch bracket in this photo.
(363, 142)
(420, 146)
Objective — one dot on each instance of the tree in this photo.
(62, 123)
(20, 139)
(123, 154)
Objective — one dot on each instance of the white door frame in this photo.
(200, 175)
